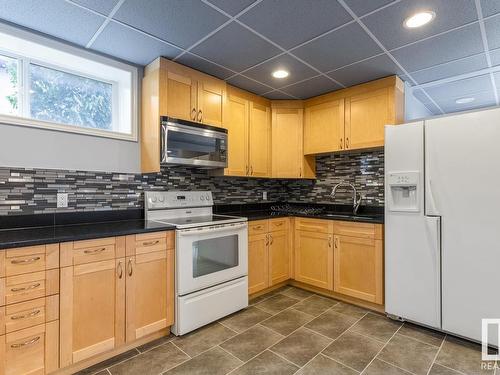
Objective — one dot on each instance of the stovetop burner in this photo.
(290, 209)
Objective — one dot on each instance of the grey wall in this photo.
(414, 108)
(26, 147)
(33, 191)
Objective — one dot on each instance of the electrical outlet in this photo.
(62, 200)
(264, 195)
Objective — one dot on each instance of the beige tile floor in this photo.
(292, 331)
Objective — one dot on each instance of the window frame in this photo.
(23, 85)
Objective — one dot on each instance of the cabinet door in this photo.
(359, 268)
(181, 95)
(279, 257)
(92, 309)
(258, 263)
(211, 95)
(314, 259)
(287, 153)
(260, 140)
(149, 293)
(236, 123)
(324, 127)
(366, 116)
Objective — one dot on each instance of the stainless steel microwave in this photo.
(192, 144)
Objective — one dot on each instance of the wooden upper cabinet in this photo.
(287, 155)
(324, 127)
(181, 94)
(365, 117)
(211, 97)
(236, 123)
(259, 140)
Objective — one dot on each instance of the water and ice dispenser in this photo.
(404, 191)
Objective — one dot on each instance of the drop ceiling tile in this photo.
(387, 25)
(453, 68)
(179, 22)
(420, 95)
(101, 6)
(344, 46)
(120, 41)
(233, 7)
(462, 88)
(276, 95)
(291, 22)
(492, 26)
(205, 66)
(495, 56)
(312, 87)
(298, 71)
(497, 79)
(236, 48)
(361, 7)
(482, 100)
(55, 17)
(249, 85)
(490, 7)
(440, 49)
(368, 70)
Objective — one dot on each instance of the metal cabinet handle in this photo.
(258, 227)
(336, 243)
(247, 170)
(329, 241)
(193, 113)
(347, 142)
(95, 251)
(200, 116)
(21, 289)
(267, 239)
(150, 243)
(271, 238)
(251, 170)
(341, 144)
(279, 224)
(26, 343)
(130, 270)
(119, 268)
(29, 315)
(25, 261)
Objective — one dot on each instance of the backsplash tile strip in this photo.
(33, 191)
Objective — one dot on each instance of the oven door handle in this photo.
(212, 229)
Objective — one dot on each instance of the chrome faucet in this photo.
(355, 200)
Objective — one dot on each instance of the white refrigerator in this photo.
(442, 222)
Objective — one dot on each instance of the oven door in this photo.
(211, 255)
(199, 146)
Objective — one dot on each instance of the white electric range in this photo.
(211, 256)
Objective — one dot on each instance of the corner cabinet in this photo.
(171, 89)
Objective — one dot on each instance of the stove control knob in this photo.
(207, 197)
(162, 199)
(153, 199)
(202, 198)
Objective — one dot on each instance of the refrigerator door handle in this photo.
(434, 228)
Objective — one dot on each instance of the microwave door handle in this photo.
(210, 230)
(163, 142)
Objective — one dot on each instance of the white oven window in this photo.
(214, 255)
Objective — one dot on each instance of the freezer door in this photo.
(463, 176)
(412, 253)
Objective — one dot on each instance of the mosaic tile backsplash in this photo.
(32, 191)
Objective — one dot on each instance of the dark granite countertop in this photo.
(68, 229)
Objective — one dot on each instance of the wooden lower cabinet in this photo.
(359, 268)
(279, 257)
(92, 309)
(258, 263)
(149, 286)
(30, 351)
(314, 258)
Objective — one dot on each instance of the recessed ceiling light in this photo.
(465, 100)
(419, 19)
(280, 74)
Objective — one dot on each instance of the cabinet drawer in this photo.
(28, 314)
(30, 351)
(90, 251)
(258, 227)
(359, 230)
(25, 287)
(29, 259)
(314, 225)
(151, 242)
(278, 224)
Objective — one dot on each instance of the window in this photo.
(47, 84)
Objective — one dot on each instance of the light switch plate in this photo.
(264, 195)
(62, 200)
